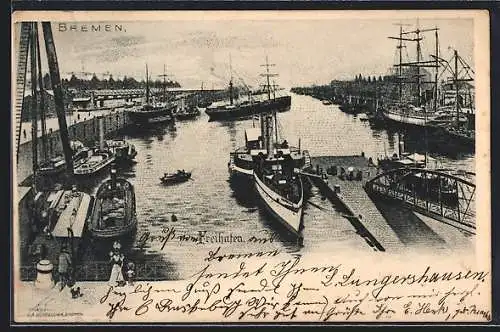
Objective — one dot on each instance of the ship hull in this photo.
(128, 222)
(150, 117)
(81, 170)
(290, 218)
(406, 119)
(246, 110)
(236, 171)
(461, 138)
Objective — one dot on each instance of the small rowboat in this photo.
(179, 176)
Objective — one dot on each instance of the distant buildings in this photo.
(48, 101)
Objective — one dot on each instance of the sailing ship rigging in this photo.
(252, 106)
(414, 109)
(152, 111)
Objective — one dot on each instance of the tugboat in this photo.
(187, 112)
(277, 181)
(123, 151)
(90, 161)
(113, 214)
(178, 177)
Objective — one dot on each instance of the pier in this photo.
(347, 190)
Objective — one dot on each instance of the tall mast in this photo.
(400, 69)
(230, 81)
(42, 97)
(34, 102)
(50, 48)
(436, 72)
(400, 47)
(267, 74)
(147, 85)
(457, 106)
(418, 66)
(164, 84)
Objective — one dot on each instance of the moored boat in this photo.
(52, 166)
(58, 210)
(277, 181)
(113, 214)
(93, 160)
(186, 112)
(122, 150)
(252, 106)
(242, 160)
(151, 111)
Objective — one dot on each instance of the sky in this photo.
(304, 52)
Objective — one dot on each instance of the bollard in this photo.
(44, 274)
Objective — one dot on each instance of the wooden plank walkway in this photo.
(363, 213)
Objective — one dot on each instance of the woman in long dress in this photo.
(116, 258)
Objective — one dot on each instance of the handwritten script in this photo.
(290, 290)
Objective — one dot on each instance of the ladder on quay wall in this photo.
(22, 59)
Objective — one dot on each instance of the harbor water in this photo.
(211, 211)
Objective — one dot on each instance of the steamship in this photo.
(277, 179)
(251, 106)
(151, 111)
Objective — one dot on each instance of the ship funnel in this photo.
(113, 176)
(101, 132)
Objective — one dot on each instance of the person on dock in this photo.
(64, 267)
(116, 258)
(130, 273)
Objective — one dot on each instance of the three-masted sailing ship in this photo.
(414, 108)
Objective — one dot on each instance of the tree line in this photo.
(95, 83)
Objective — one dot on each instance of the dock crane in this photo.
(29, 47)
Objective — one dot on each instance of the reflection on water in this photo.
(212, 206)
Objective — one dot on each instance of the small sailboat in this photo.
(114, 213)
